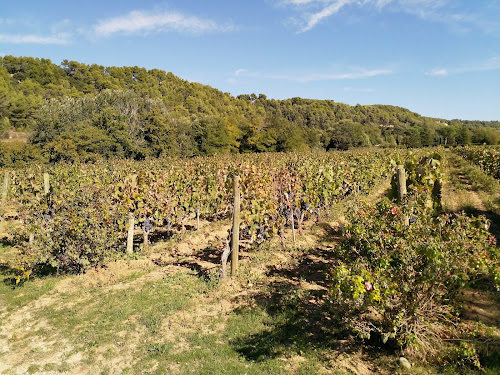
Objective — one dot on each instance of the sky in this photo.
(439, 58)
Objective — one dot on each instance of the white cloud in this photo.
(354, 89)
(143, 22)
(314, 77)
(312, 12)
(490, 64)
(438, 72)
(315, 18)
(62, 38)
(302, 2)
(240, 71)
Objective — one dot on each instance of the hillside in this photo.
(74, 110)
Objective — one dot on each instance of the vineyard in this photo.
(389, 274)
(83, 214)
(488, 158)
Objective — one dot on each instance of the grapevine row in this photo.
(83, 219)
(487, 158)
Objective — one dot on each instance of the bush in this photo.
(66, 231)
(397, 280)
(19, 154)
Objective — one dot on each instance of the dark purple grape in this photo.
(168, 221)
(147, 225)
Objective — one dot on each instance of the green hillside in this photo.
(79, 111)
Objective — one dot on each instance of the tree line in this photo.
(78, 111)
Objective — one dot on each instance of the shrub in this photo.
(397, 280)
(424, 179)
(68, 231)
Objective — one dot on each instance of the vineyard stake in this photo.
(146, 241)
(5, 187)
(4, 197)
(401, 183)
(130, 236)
(225, 254)
(236, 227)
(293, 213)
(46, 183)
(401, 175)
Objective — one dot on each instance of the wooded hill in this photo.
(78, 111)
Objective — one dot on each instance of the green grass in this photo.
(231, 351)
(15, 296)
(102, 313)
(104, 323)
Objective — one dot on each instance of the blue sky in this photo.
(440, 58)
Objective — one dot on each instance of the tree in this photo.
(464, 135)
(212, 137)
(346, 134)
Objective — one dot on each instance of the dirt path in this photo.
(458, 199)
(459, 195)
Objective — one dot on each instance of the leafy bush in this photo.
(466, 355)
(70, 229)
(19, 154)
(424, 179)
(397, 280)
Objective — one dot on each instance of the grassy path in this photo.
(469, 189)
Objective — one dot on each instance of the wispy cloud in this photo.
(144, 22)
(61, 38)
(437, 72)
(314, 77)
(315, 18)
(358, 89)
(60, 32)
(310, 13)
(490, 64)
(240, 72)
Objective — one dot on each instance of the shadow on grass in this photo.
(330, 233)
(8, 274)
(311, 267)
(204, 263)
(300, 324)
(301, 320)
(6, 242)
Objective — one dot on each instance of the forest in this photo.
(75, 111)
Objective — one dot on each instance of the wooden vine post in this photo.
(401, 176)
(145, 238)
(235, 240)
(46, 183)
(197, 211)
(293, 213)
(5, 189)
(131, 219)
